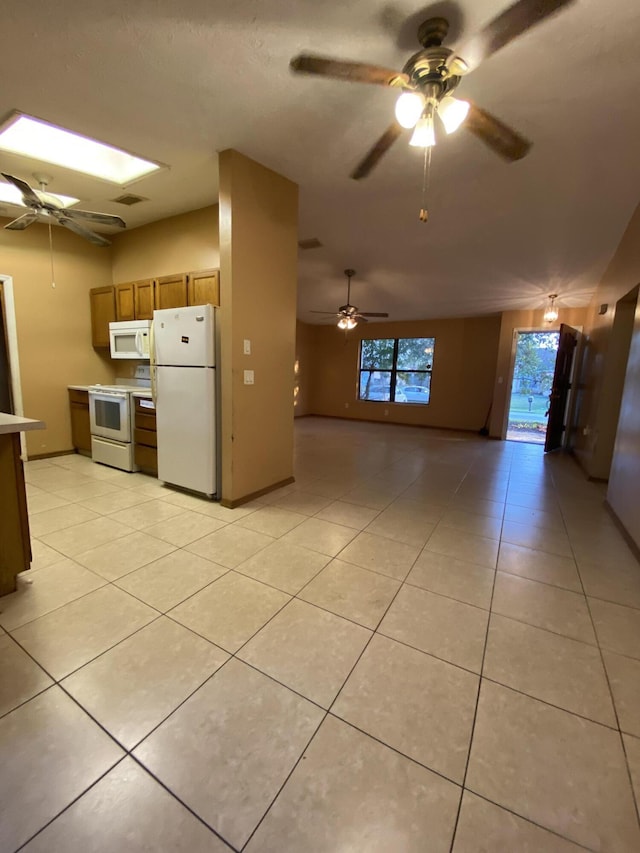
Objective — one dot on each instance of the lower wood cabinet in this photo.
(15, 543)
(145, 451)
(80, 421)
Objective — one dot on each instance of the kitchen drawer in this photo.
(147, 437)
(146, 458)
(145, 406)
(146, 421)
(76, 396)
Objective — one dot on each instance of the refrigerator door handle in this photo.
(152, 363)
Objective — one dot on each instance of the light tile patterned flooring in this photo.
(431, 642)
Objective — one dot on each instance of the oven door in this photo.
(109, 414)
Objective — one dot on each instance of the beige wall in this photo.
(54, 325)
(593, 444)
(524, 321)
(258, 281)
(182, 243)
(462, 380)
(623, 493)
(302, 369)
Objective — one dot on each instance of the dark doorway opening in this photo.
(6, 403)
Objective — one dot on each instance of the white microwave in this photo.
(130, 339)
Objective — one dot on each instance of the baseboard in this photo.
(633, 546)
(247, 498)
(31, 457)
(388, 422)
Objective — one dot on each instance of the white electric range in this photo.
(111, 412)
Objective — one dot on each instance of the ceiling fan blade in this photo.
(377, 152)
(22, 222)
(353, 72)
(373, 314)
(28, 195)
(92, 237)
(499, 137)
(97, 218)
(328, 313)
(510, 24)
(360, 319)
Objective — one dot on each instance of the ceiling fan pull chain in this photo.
(53, 281)
(424, 213)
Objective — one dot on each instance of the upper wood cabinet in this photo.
(204, 287)
(103, 312)
(134, 300)
(144, 299)
(171, 291)
(125, 302)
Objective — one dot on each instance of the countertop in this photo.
(78, 387)
(143, 392)
(12, 423)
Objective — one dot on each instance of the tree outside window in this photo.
(396, 370)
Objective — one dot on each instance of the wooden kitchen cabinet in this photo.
(135, 300)
(15, 541)
(145, 451)
(144, 299)
(125, 301)
(204, 287)
(103, 312)
(80, 421)
(171, 291)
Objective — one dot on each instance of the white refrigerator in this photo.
(185, 390)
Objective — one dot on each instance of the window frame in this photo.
(393, 371)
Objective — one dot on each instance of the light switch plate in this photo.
(249, 378)
(247, 346)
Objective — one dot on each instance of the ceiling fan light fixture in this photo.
(424, 135)
(409, 107)
(347, 323)
(551, 312)
(452, 112)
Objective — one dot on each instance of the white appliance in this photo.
(185, 392)
(130, 339)
(111, 417)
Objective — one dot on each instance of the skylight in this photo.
(39, 140)
(12, 195)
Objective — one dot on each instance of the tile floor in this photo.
(431, 642)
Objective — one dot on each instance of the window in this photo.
(396, 370)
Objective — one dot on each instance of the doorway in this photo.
(535, 357)
(6, 398)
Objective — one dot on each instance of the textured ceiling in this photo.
(179, 80)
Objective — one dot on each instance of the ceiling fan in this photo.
(348, 315)
(41, 202)
(429, 78)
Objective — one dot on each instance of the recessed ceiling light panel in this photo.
(12, 195)
(38, 139)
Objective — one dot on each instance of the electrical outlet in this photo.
(346, 405)
(386, 412)
(249, 378)
(246, 348)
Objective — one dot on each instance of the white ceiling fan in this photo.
(42, 203)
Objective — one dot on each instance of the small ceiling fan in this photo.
(348, 315)
(429, 78)
(41, 202)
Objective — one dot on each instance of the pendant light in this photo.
(551, 312)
